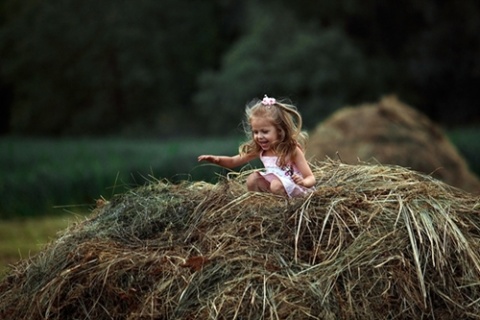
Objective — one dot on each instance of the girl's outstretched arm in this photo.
(308, 179)
(226, 161)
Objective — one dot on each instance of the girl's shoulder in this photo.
(299, 148)
(297, 151)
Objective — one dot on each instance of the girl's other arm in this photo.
(226, 161)
(308, 179)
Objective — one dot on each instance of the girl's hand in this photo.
(307, 182)
(209, 158)
(297, 179)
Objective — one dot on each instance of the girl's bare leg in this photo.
(255, 182)
(276, 187)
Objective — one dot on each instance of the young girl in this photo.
(276, 138)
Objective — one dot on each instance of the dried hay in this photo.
(373, 242)
(391, 132)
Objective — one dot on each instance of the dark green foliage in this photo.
(434, 46)
(188, 67)
(467, 141)
(105, 66)
(279, 56)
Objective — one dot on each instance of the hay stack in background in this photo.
(391, 132)
(373, 242)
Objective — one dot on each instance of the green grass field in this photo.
(39, 175)
(22, 238)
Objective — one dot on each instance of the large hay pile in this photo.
(373, 242)
(390, 132)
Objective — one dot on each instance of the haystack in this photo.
(372, 242)
(390, 132)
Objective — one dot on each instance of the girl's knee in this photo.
(252, 181)
(255, 182)
(276, 187)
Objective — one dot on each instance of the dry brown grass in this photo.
(373, 242)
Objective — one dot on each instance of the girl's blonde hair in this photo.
(288, 122)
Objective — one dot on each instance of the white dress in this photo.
(284, 174)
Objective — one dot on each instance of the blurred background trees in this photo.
(187, 67)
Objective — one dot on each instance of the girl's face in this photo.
(265, 134)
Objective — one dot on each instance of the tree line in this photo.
(170, 67)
